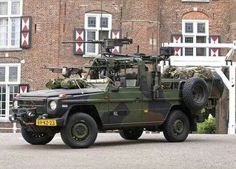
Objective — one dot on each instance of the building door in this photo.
(9, 82)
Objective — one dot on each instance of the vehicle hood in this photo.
(57, 92)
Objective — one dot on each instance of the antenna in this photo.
(100, 26)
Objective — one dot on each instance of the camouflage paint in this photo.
(124, 107)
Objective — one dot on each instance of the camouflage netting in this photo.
(185, 73)
(181, 73)
(66, 83)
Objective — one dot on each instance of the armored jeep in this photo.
(123, 93)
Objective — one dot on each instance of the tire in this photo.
(36, 138)
(80, 131)
(176, 127)
(195, 93)
(131, 134)
(218, 83)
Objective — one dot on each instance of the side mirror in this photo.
(115, 88)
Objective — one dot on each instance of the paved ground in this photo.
(110, 151)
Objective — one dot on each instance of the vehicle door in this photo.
(125, 101)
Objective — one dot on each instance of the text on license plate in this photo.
(46, 122)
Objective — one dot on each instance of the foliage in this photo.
(66, 83)
(207, 127)
(54, 83)
(73, 83)
(173, 72)
(183, 73)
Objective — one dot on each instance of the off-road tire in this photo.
(176, 127)
(36, 138)
(131, 134)
(218, 83)
(195, 93)
(80, 131)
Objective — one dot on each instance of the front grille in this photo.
(31, 103)
(40, 105)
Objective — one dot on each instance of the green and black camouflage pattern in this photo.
(113, 95)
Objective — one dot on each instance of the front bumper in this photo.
(28, 116)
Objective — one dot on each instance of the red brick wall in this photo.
(44, 42)
(172, 12)
(72, 16)
(233, 19)
(140, 21)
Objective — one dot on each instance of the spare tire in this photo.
(195, 93)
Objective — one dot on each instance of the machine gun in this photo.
(65, 71)
(107, 44)
(165, 53)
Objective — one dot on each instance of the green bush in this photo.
(207, 127)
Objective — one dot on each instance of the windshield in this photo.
(102, 84)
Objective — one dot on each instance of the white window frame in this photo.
(96, 30)
(7, 66)
(194, 34)
(9, 16)
(7, 83)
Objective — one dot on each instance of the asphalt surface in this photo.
(110, 151)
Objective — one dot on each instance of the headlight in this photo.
(15, 104)
(53, 105)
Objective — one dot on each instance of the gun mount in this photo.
(106, 44)
(65, 71)
(109, 44)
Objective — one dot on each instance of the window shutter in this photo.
(116, 34)
(24, 88)
(79, 35)
(25, 32)
(214, 39)
(177, 38)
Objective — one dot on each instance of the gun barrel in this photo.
(90, 41)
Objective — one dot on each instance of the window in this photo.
(2, 74)
(92, 22)
(10, 12)
(195, 31)
(104, 22)
(9, 73)
(9, 82)
(189, 27)
(13, 74)
(97, 27)
(201, 28)
(2, 101)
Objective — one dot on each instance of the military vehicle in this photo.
(123, 93)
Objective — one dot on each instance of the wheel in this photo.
(131, 134)
(195, 93)
(218, 84)
(36, 138)
(176, 127)
(80, 131)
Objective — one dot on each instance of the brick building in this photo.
(32, 32)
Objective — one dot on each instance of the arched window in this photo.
(195, 29)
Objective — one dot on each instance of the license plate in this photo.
(46, 122)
